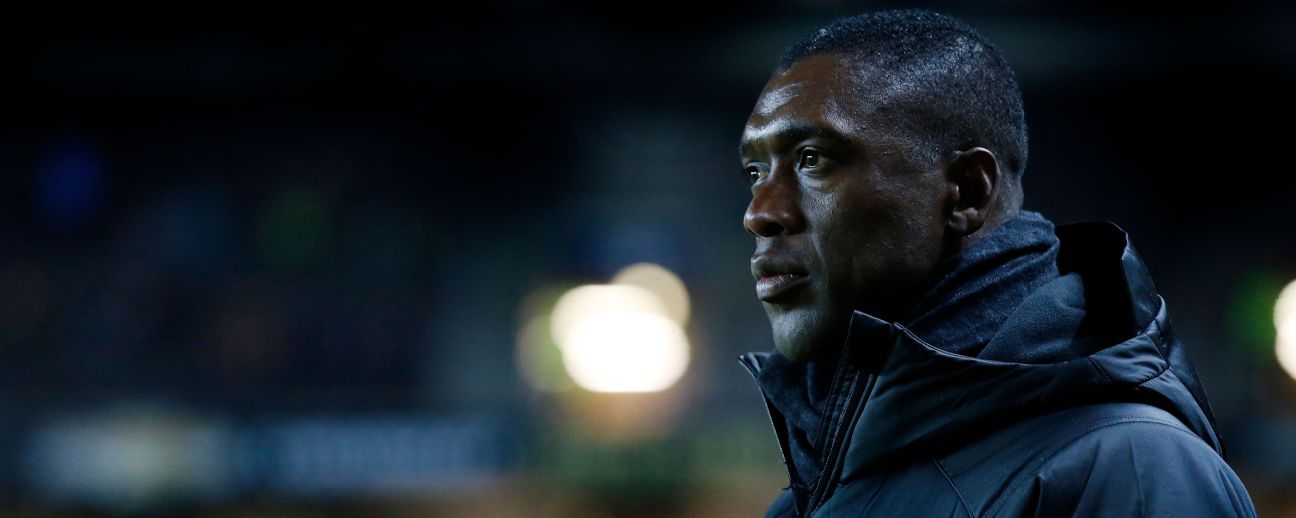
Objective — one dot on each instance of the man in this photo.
(942, 352)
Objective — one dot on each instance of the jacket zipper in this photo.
(825, 473)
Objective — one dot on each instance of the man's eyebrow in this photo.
(783, 136)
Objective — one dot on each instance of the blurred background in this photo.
(303, 260)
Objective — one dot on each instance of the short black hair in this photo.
(956, 89)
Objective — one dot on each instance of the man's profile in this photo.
(940, 350)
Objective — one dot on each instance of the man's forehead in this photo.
(772, 99)
(789, 112)
(822, 91)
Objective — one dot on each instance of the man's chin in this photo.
(797, 344)
(808, 333)
(795, 352)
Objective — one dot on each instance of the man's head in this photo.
(882, 144)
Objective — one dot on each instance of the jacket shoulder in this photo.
(1124, 459)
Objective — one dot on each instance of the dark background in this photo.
(275, 259)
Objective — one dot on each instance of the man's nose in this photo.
(774, 210)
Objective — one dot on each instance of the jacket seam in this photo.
(1155, 331)
(1158, 375)
(962, 501)
(1162, 369)
(1016, 484)
(1100, 369)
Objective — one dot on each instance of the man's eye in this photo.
(753, 173)
(809, 158)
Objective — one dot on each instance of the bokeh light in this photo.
(625, 352)
(663, 283)
(623, 337)
(591, 299)
(1286, 305)
(1285, 320)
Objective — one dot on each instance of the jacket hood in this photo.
(925, 399)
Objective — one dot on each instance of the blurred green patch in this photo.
(1251, 313)
(294, 228)
(538, 358)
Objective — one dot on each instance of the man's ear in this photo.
(973, 179)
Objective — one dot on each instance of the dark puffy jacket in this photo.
(912, 430)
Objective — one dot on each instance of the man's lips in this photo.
(771, 288)
(776, 276)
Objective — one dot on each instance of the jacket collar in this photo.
(925, 398)
(971, 295)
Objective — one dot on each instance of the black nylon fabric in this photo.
(941, 433)
(799, 391)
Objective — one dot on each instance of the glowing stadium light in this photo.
(625, 352)
(1286, 347)
(1285, 320)
(627, 336)
(661, 282)
(1286, 305)
(581, 302)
